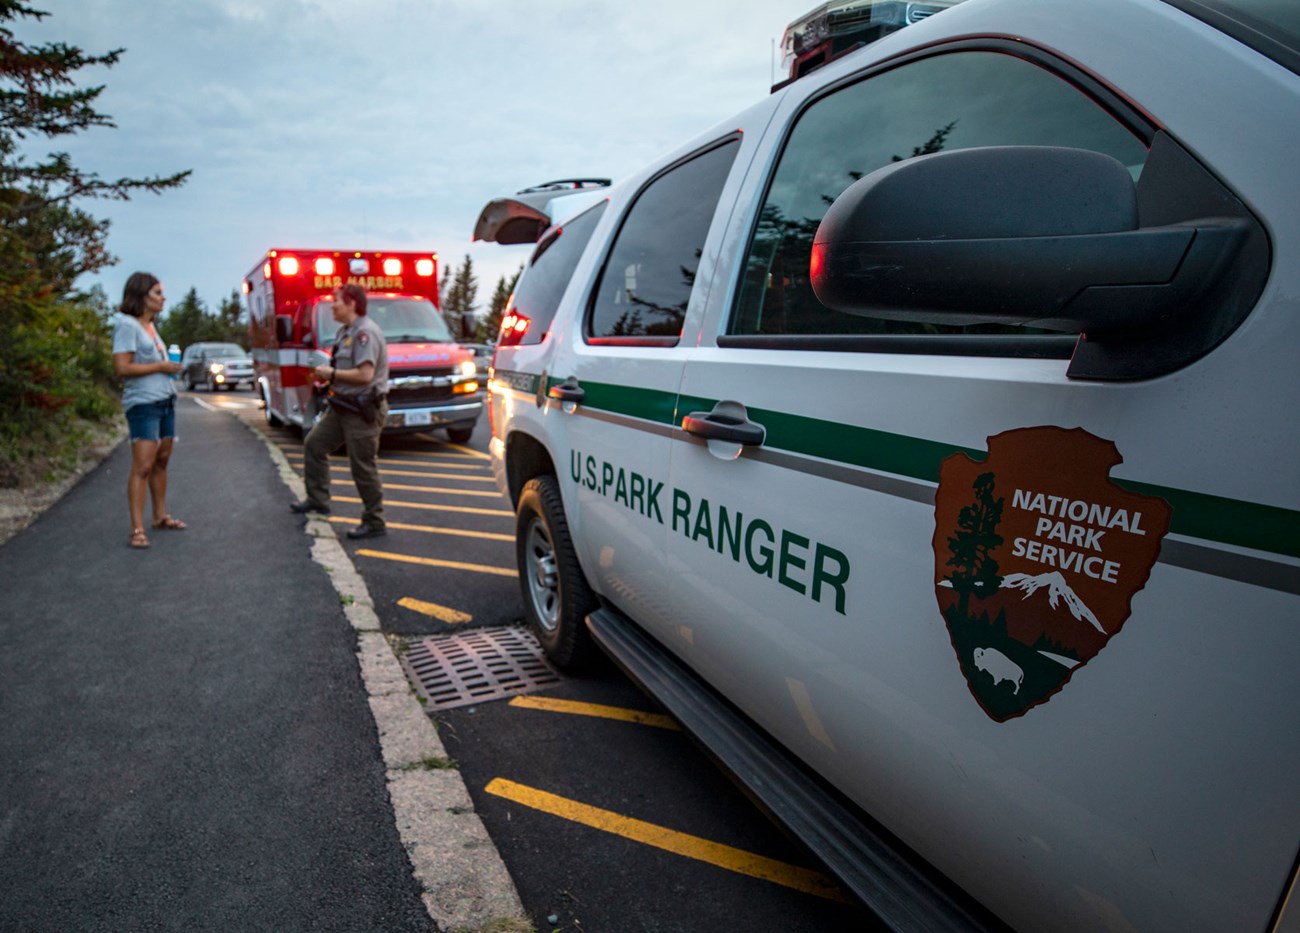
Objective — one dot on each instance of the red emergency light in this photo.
(424, 267)
(513, 328)
(392, 266)
(323, 266)
(288, 265)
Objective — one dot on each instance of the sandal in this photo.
(167, 522)
(138, 538)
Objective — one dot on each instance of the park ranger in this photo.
(358, 379)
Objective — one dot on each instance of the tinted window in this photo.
(540, 288)
(403, 320)
(955, 101)
(646, 283)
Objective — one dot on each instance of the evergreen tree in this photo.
(458, 305)
(975, 571)
(54, 350)
(188, 322)
(491, 323)
(230, 315)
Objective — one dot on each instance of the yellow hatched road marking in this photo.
(465, 453)
(599, 710)
(428, 473)
(435, 530)
(703, 850)
(431, 562)
(440, 508)
(441, 613)
(494, 494)
(460, 476)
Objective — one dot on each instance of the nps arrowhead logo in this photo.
(1038, 555)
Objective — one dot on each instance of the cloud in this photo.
(325, 122)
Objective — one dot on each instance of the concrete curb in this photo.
(467, 888)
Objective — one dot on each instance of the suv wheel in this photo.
(272, 418)
(555, 592)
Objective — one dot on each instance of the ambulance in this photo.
(432, 380)
(923, 437)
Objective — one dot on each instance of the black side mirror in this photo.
(1039, 236)
(283, 328)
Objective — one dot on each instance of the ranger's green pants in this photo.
(344, 429)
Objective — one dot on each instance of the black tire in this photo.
(460, 435)
(189, 383)
(272, 419)
(555, 592)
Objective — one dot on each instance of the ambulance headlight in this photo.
(468, 368)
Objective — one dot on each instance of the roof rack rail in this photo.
(567, 183)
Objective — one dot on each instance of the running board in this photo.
(893, 882)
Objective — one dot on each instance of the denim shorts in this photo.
(152, 421)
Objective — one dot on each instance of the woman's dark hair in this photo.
(133, 294)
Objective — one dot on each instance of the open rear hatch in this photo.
(525, 216)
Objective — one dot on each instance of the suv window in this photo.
(646, 282)
(952, 101)
(540, 288)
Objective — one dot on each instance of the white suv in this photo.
(857, 429)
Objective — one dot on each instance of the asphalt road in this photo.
(177, 752)
(607, 817)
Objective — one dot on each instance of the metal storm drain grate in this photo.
(476, 666)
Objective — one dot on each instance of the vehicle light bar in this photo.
(832, 29)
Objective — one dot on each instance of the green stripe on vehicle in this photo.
(1196, 515)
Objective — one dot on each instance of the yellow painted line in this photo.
(598, 710)
(442, 464)
(441, 613)
(430, 562)
(435, 530)
(702, 850)
(492, 494)
(467, 453)
(425, 473)
(439, 508)
(459, 476)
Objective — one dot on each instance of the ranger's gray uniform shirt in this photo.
(361, 342)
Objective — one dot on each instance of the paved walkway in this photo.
(200, 736)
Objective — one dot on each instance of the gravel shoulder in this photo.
(21, 506)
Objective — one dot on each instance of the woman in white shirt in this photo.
(149, 398)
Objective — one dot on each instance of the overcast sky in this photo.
(385, 124)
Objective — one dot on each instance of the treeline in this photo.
(459, 296)
(189, 321)
(56, 379)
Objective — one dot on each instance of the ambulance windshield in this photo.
(403, 320)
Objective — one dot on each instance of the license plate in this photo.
(417, 417)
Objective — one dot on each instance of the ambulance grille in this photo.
(476, 666)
